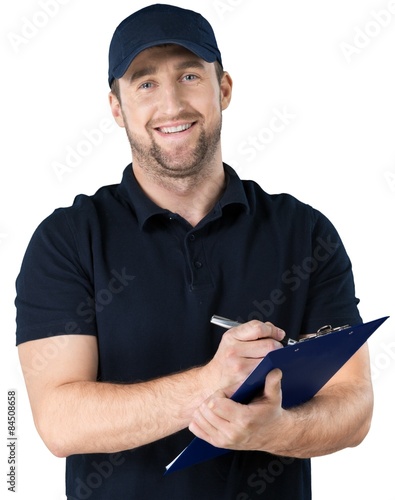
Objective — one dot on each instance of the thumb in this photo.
(273, 384)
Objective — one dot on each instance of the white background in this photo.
(312, 60)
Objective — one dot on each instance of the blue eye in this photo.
(190, 78)
(146, 85)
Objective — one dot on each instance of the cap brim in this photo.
(205, 54)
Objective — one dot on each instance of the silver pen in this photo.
(229, 323)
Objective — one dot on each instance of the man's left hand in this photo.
(227, 424)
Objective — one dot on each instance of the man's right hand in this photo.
(239, 352)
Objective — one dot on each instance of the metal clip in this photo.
(328, 329)
(324, 330)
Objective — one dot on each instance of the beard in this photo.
(181, 162)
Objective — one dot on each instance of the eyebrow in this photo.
(152, 70)
(141, 73)
(193, 63)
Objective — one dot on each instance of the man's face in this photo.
(171, 103)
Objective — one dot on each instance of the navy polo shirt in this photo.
(146, 283)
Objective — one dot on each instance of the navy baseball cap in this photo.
(159, 24)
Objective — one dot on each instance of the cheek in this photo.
(209, 106)
(215, 110)
(134, 117)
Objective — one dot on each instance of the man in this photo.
(116, 293)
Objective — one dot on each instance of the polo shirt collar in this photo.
(145, 208)
(234, 193)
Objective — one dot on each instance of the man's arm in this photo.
(337, 417)
(75, 414)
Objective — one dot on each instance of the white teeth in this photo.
(173, 130)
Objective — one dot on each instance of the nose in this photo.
(171, 100)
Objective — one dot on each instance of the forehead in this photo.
(172, 54)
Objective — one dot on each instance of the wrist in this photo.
(197, 389)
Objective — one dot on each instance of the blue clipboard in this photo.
(306, 367)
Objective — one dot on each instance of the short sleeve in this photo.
(331, 294)
(53, 284)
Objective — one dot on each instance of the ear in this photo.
(226, 90)
(116, 111)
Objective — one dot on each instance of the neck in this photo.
(191, 197)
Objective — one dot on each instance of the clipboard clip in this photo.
(324, 330)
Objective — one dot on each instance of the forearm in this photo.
(92, 417)
(76, 414)
(337, 418)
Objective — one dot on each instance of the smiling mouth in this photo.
(175, 130)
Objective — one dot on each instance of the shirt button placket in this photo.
(196, 262)
(201, 277)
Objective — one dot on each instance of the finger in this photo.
(254, 339)
(205, 423)
(201, 427)
(273, 331)
(257, 349)
(213, 422)
(255, 330)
